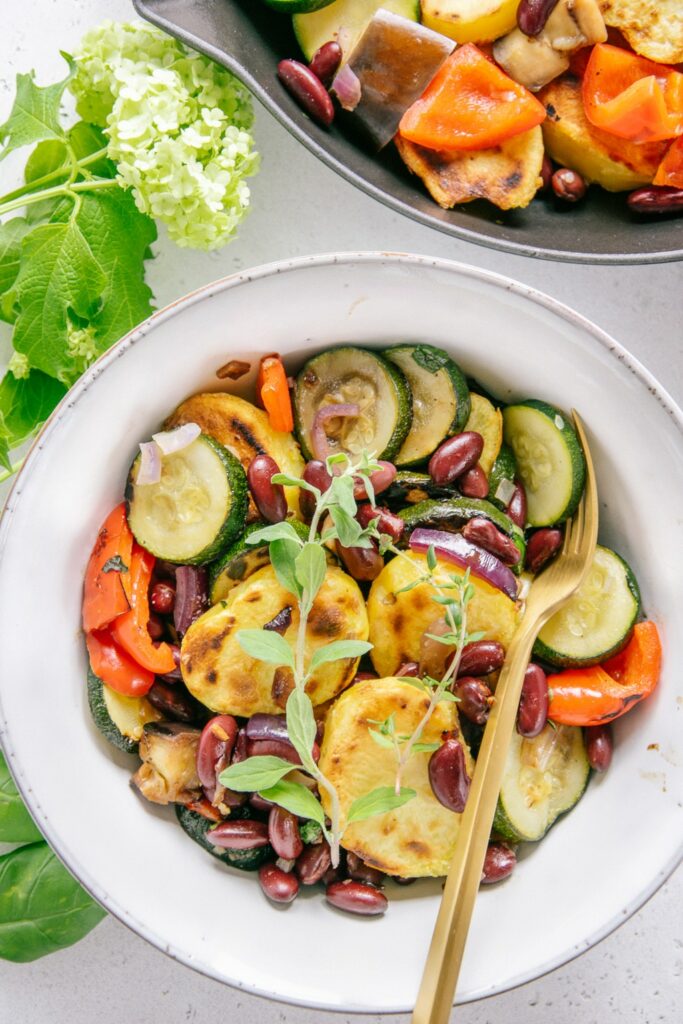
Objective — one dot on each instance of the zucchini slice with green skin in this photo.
(550, 460)
(198, 506)
(441, 399)
(459, 510)
(196, 826)
(486, 419)
(242, 560)
(120, 719)
(598, 620)
(544, 777)
(504, 469)
(410, 487)
(345, 21)
(359, 377)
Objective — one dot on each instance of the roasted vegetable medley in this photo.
(296, 616)
(503, 99)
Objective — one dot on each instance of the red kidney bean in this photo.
(155, 627)
(243, 834)
(455, 456)
(499, 862)
(278, 885)
(240, 750)
(482, 532)
(380, 480)
(481, 657)
(656, 199)
(283, 833)
(259, 803)
(173, 701)
(312, 864)
(362, 872)
(475, 699)
(278, 748)
(532, 713)
(541, 547)
(269, 497)
(307, 90)
(533, 14)
(214, 751)
(361, 563)
(599, 747)
(326, 61)
(332, 875)
(315, 473)
(448, 775)
(516, 507)
(474, 483)
(387, 521)
(267, 727)
(162, 598)
(408, 668)
(568, 185)
(357, 898)
(546, 172)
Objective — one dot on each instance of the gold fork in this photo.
(547, 593)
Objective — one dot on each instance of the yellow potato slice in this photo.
(218, 671)
(417, 839)
(397, 621)
(487, 421)
(654, 28)
(470, 21)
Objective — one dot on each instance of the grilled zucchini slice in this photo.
(242, 560)
(544, 777)
(197, 827)
(410, 487)
(503, 471)
(345, 22)
(219, 673)
(441, 399)
(419, 838)
(398, 620)
(598, 620)
(455, 511)
(197, 507)
(120, 719)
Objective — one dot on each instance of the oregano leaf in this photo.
(255, 773)
(266, 646)
(378, 801)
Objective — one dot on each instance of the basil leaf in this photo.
(266, 646)
(295, 798)
(16, 824)
(301, 726)
(429, 359)
(276, 531)
(338, 650)
(255, 773)
(378, 801)
(42, 908)
(310, 568)
(283, 554)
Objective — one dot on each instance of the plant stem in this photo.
(58, 190)
(37, 183)
(5, 474)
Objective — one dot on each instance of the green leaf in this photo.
(338, 650)
(26, 403)
(448, 697)
(16, 824)
(428, 359)
(48, 156)
(380, 739)
(310, 568)
(266, 645)
(42, 908)
(35, 113)
(283, 554)
(349, 531)
(424, 748)
(431, 558)
(310, 832)
(474, 638)
(340, 492)
(276, 531)
(301, 726)
(11, 234)
(86, 139)
(255, 773)
(378, 801)
(292, 481)
(5, 460)
(295, 798)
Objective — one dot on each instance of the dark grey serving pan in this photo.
(249, 38)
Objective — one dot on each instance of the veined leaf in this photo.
(35, 113)
(11, 234)
(301, 725)
(378, 801)
(338, 650)
(267, 646)
(283, 555)
(310, 568)
(276, 531)
(27, 402)
(295, 798)
(16, 824)
(255, 773)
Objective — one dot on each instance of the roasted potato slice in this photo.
(616, 164)
(245, 431)
(486, 420)
(508, 175)
(397, 621)
(219, 672)
(415, 840)
(654, 28)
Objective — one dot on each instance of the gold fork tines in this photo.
(549, 591)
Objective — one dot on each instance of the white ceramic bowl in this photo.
(594, 869)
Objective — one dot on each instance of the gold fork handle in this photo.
(435, 998)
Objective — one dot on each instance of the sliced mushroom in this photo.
(168, 773)
(573, 24)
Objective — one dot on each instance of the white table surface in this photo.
(635, 976)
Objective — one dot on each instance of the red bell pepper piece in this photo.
(105, 593)
(670, 171)
(115, 668)
(130, 629)
(593, 696)
(273, 391)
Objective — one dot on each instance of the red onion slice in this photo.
(191, 597)
(347, 88)
(149, 470)
(453, 547)
(319, 442)
(170, 441)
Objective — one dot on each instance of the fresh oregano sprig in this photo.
(300, 566)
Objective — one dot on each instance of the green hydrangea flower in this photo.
(179, 129)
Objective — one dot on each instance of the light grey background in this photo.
(300, 207)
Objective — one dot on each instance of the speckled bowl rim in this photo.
(62, 411)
